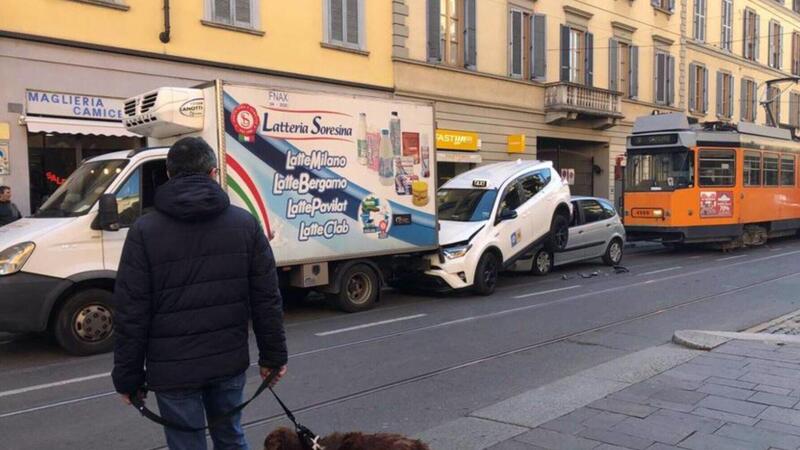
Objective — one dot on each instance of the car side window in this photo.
(531, 184)
(608, 209)
(592, 211)
(576, 215)
(137, 195)
(511, 199)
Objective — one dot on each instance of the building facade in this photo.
(67, 65)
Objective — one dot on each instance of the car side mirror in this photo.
(507, 214)
(108, 215)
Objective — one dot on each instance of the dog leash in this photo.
(309, 440)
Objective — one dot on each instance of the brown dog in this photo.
(286, 439)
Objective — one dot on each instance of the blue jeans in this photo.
(190, 407)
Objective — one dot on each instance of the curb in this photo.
(707, 340)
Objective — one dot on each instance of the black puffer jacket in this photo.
(191, 275)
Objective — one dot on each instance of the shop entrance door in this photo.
(569, 154)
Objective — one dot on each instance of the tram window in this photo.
(752, 169)
(717, 167)
(770, 170)
(787, 170)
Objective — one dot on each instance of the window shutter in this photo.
(539, 57)
(589, 59)
(745, 34)
(613, 65)
(564, 75)
(222, 11)
(719, 110)
(634, 71)
(696, 20)
(705, 90)
(730, 97)
(780, 47)
(659, 72)
(470, 41)
(754, 99)
(243, 13)
(352, 22)
(777, 104)
(743, 100)
(757, 48)
(515, 45)
(656, 3)
(692, 87)
(434, 37)
(671, 5)
(792, 110)
(795, 59)
(670, 84)
(337, 20)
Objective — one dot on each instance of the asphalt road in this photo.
(418, 361)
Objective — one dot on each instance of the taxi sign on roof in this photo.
(480, 183)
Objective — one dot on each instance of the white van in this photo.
(494, 215)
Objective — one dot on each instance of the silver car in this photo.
(596, 231)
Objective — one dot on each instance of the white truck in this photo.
(342, 185)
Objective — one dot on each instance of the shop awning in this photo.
(73, 126)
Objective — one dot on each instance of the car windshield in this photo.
(465, 205)
(659, 170)
(82, 189)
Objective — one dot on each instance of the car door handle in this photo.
(608, 225)
(580, 232)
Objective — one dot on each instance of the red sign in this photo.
(53, 178)
(716, 204)
(244, 119)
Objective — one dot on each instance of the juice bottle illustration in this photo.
(425, 151)
(373, 149)
(361, 136)
(394, 131)
(386, 171)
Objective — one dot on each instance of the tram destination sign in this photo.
(655, 139)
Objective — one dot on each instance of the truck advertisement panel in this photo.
(331, 177)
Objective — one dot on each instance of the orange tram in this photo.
(731, 185)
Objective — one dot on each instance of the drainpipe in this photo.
(164, 35)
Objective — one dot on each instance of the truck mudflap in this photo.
(26, 300)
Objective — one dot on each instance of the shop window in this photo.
(752, 169)
(137, 195)
(787, 170)
(770, 169)
(716, 168)
(345, 19)
(592, 211)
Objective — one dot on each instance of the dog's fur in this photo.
(286, 439)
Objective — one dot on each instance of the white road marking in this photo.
(652, 272)
(54, 384)
(534, 294)
(368, 325)
(695, 257)
(731, 257)
(776, 249)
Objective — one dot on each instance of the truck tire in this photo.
(613, 255)
(359, 289)
(85, 323)
(486, 274)
(542, 263)
(558, 236)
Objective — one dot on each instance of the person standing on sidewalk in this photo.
(191, 275)
(8, 210)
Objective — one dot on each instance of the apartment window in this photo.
(452, 32)
(751, 32)
(699, 24)
(770, 169)
(775, 44)
(794, 109)
(748, 100)
(796, 6)
(774, 99)
(698, 88)
(724, 95)
(717, 167)
(787, 170)
(577, 55)
(796, 53)
(664, 93)
(520, 40)
(345, 23)
(726, 42)
(666, 5)
(623, 68)
(752, 169)
(238, 13)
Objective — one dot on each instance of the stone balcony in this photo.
(568, 102)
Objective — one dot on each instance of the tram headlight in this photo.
(658, 213)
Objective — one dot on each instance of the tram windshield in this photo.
(659, 170)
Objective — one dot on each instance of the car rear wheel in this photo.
(613, 255)
(85, 323)
(559, 234)
(542, 263)
(486, 274)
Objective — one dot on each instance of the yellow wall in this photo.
(291, 43)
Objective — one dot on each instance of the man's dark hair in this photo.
(3, 189)
(190, 155)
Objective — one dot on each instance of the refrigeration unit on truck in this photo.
(343, 185)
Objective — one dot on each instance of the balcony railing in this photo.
(577, 99)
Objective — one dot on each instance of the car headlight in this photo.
(456, 251)
(13, 258)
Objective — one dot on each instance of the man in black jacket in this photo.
(191, 275)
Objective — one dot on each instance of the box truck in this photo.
(343, 186)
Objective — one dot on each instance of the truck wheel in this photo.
(542, 263)
(359, 289)
(559, 234)
(613, 255)
(85, 323)
(486, 274)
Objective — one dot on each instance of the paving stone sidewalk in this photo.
(741, 395)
